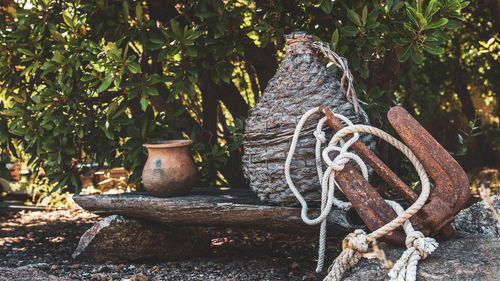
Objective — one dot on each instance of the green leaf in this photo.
(106, 82)
(112, 107)
(412, 14)
(125, 10)
(87, 78)
(453, 24)
(429, 11)
(118, 78)
(26, 52)
(364, 15)
(68, 18)
(409, 27)
(109, 134)
(192, 52)
(224, 71)
(434, 49)
(350, 30)
(335, 38)
(373, 25)
(418, 57)
(134, 67)
(205, 14)
(405, 54)
(354, 17)
(56, 35)
(133, 93)
(435, 24)
(397, 6)
(463, 5)
(372, 16)
(58, 57)
(157, 40)
(194, 34)
(176, 28)
(326, 6)
(151, 91)
(120, 111)
(138, 12)
(144, 103)
(113, 52)
(421, 20)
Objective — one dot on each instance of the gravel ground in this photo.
(38, 246)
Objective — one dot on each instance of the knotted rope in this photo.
(341, 63)
(355, 245)
(419, 247)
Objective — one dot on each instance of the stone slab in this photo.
(120, 239)
(471, 257)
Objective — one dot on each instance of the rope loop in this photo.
(355, 245)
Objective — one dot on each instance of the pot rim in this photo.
(168, 144)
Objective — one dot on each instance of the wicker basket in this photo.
(302, 82)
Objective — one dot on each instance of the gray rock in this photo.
(27, 274)
(473, 254)
(461, 258)
(479, 220)
(119, 239)
(40, 265)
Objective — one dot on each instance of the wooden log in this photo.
(222, 207)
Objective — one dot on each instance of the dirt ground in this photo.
(37, 245)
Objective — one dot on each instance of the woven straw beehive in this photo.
(302, 82)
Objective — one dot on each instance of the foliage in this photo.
(4, 172)
(40, 192)
(91, 81)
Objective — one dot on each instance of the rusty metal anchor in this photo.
(449, 196)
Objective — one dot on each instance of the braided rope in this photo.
(341, 63)
(419, 247)
(424, 179)
(327, 179)
(355, 245)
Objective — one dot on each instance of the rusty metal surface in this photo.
(452, 190)
(370, 206)
(381, 169)
(448, 197)
(371, 159)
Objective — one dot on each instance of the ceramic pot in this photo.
(169, 170)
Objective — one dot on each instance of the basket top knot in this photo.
(299, 43)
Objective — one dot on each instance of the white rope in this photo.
(355, 245)
(327, 179)
(419, 247)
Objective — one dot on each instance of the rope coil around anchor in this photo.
(355, 245)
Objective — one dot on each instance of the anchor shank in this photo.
(371, 159)
(370, 206)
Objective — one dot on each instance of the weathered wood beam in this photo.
(212, 207)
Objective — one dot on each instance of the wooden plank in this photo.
(212, 207)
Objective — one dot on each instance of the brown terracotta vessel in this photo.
(169, 170)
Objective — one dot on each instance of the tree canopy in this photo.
(91, 81)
